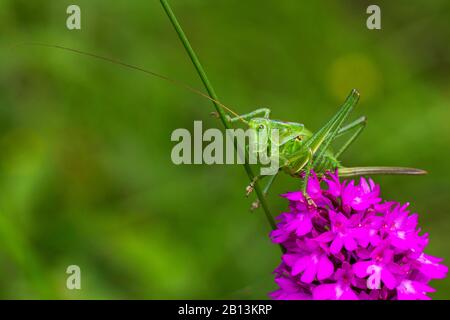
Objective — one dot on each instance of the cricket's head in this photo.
(268, 131)
(259, 124)
(261, 132)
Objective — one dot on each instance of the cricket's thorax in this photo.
(291, 143)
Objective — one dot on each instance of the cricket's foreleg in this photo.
(301, 163)
(304, 183)
(251, 186)
(265, 112)
(269, 184)
(256, 204)
(357, 125)
(308, 167)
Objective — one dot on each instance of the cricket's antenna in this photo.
(130, 66)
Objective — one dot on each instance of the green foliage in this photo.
(85, 170)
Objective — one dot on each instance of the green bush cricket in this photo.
(301, 151)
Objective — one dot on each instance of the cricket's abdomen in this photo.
(294, 159)
(329, 163)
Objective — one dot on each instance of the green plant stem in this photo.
(212, 94)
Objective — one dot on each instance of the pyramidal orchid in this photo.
(346, 243)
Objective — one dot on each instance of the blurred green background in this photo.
(85, 170)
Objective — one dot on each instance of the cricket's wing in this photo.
(360, 171)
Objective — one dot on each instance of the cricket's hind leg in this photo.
(321, 140)
(357, 125)
(319, 143)
(361, 171)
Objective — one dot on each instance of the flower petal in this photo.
(310, 273)
(325, 292)
(350, 243)
(305, 226)
(336, 245)
(325, 269)
(388, 279)
(300, 265)
(348, 294)
(325, 237)
(361, 268)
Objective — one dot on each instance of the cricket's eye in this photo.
(261, 126)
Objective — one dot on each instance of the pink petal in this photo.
(286, 284)
(293, 196)
(325, 292)
(310, 273)
(336, 246)
(325, 237)
(350, 243)
(360, 268)
(364, 185)
(326, 268)
(305, 226)
(313, 187)
(431, 268)
(300, 265)
(348, 295)
(290, 259)
(388, 279)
